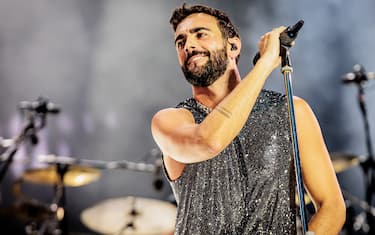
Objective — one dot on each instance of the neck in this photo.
(212, 95)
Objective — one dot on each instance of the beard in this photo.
(208, 73)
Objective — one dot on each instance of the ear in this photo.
(233, 47)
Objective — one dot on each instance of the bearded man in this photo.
(227, 151)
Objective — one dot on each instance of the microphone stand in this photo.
(99, 164)
(34, 114)
(56, 223)
(369, 163)
(286, 70)
(130, 224)
(28, 130)
(60, 196)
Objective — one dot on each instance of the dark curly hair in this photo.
(227, 28)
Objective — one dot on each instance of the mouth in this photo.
(195, 57)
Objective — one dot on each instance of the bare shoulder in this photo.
(303, 110)
(171, 115)
(307, 124)
(301, 104)
(166, 123)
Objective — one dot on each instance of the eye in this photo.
(180, 43)
(201, 35)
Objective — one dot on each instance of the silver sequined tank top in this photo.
(249, 188)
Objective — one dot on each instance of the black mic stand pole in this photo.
(7, 157)
(369, 163)
(36, 120)
(286, 70)
(60, 196)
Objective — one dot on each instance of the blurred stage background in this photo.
(112, 64)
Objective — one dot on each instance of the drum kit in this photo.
(124, 215)
(121, 216)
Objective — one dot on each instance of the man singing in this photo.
(227, 150)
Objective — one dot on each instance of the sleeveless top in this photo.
(249, 188)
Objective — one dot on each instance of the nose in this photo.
(190, 44)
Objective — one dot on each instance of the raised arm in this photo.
(178, 136)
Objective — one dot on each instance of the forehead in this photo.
(197, 20)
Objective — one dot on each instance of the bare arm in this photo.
(178, 136)
(318, 173)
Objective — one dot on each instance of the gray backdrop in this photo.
(112, 64)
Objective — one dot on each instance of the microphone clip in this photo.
(358, 76)
(41, 106)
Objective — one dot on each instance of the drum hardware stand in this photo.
(59, 201)
(56, 223)
(99, 164)
(36, 119)
(130, 224)
(48, 226)
(36, 115)
(7, 157)
(360, 78)
(368, 165)
(62, 166)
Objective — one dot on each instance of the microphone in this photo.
(358, 75)
(287, 37)
(41, 105)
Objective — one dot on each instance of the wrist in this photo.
(270, 60)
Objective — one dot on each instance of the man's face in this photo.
(201, 49)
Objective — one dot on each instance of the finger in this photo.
(279, 29)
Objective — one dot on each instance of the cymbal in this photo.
(74, 177)
(130, 215)
(344, 161)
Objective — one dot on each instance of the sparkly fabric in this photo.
(249, 188)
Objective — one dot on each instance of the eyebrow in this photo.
(193, 30)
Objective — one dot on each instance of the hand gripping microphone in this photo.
(287, 37)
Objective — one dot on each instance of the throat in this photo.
(212, 95)
(209, 98)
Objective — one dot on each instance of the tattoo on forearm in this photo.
(224, 111)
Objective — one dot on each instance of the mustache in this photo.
(193, 53)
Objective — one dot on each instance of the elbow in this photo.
(210, 145)
(339, 208)
(213, 148)
(329, 218)
(338, 212)
(341, 212)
